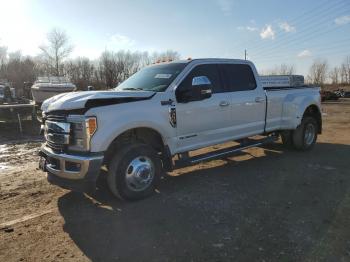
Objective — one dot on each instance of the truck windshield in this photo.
(155, 78)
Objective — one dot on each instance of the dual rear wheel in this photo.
(303, 137)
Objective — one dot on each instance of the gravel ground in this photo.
(266, 204)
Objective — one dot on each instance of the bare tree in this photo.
(282, 69)
(287, 69)
(165, 56)
(108, 69)
(18, 69)
(114, 68)
(80, 71)
(345, 71)
(3, 60)
(343, 74)
(318, 72)
(57, 49)
(334, 75)
(3, 55)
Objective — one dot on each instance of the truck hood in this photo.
(89, 99)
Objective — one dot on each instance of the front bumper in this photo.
(74, 172)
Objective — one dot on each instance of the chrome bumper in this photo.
(72, 167)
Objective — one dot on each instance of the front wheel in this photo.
(134, 171)
(305, 136)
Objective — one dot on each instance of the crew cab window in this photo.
(238, 77)
(211, 71)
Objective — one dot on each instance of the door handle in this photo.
(259, 99)
(224, 103)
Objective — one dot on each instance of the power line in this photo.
(338, 44)
(283, 59)
(326, 6)
(333, 8)
(300, 39)
(310, 29)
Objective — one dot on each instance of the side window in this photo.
(238, 77)
(211, 71)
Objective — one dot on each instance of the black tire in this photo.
(130, 168)
(305, 136)
(287, 138)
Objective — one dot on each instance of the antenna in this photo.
(245, 54)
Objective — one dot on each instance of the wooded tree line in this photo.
(320, 72)
(107, 71)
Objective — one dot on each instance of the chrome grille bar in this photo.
(57, 132)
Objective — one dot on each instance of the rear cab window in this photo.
(238, 77)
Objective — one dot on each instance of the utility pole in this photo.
(245, 54)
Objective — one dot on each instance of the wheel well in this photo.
(314, 111)
(145, 135)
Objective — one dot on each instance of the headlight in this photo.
(82, 129)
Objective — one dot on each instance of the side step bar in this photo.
(248, 143)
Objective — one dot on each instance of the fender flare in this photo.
(108, 140)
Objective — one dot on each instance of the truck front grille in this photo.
(57, 132)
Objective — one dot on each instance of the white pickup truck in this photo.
(154, 119)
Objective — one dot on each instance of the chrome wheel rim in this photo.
(309, 134)
(139, 173)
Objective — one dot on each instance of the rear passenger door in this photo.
(247, 100)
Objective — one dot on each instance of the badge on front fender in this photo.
(172, 116)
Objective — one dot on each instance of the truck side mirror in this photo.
(200, 89)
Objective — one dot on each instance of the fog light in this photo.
(71, 166)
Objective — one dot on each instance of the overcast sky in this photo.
(273, 31)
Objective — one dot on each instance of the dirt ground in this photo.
(267, 204)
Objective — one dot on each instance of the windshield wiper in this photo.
(133, 88)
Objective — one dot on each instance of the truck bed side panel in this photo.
(286, 107)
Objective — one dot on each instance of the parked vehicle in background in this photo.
(13, 108)
(333, 94)
(329, 95)
(154, 120)
(46, 87)
(26, 90)
(7, 92)
(2, 93)
(340, 93)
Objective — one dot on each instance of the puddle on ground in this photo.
(3, 166)
(14, 155)
(3, 148)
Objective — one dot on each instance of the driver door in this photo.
(205, 121)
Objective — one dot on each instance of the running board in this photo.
(187, 161)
